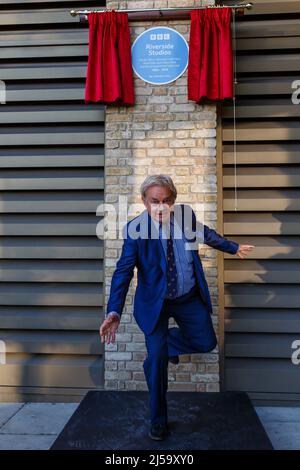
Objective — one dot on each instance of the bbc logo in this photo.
(159, 37)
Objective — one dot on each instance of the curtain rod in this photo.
(162, 13)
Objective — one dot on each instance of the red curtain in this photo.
(109, 72)
(210, 68)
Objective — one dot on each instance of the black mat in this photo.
(117, 420)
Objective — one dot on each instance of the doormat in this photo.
(119, 420)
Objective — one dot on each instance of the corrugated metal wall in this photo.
(262, 295)
(52, 158)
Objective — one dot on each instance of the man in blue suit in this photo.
(162, 242)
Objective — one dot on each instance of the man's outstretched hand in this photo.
(108, 329)
(243, 250)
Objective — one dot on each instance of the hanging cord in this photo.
(234, 114)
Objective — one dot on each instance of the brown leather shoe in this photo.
(174, 360)
(158, 432)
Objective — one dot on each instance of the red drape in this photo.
(109, 72)
(210, 68)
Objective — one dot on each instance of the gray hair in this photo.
(158, 180)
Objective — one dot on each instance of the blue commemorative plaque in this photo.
(159, 55)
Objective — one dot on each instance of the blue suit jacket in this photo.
(148, 256)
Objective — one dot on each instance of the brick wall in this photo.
(162, 133)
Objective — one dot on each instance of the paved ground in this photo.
(282, 425)
(35, 425)
(32, 426)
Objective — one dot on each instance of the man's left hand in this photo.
(243, 250)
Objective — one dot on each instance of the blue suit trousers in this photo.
(194, 334)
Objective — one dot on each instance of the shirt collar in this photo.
(164, 228)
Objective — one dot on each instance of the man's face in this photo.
(159, 203)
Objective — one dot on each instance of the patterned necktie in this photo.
(171, 269)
